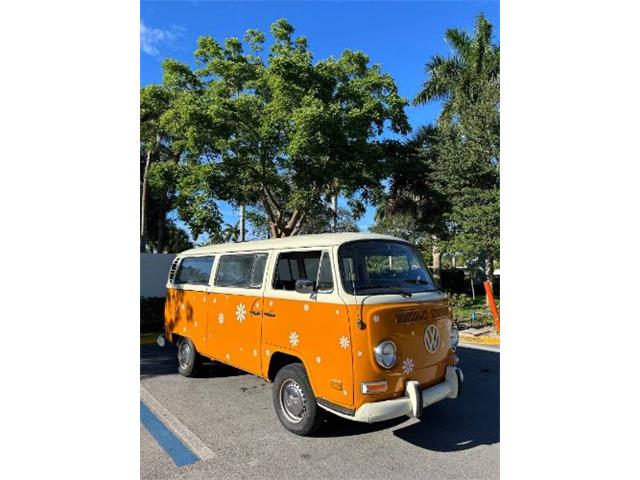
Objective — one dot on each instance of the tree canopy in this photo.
(448, 178)
(274, 130)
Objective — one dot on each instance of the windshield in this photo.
(381, 266)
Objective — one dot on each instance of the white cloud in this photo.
(150, 38)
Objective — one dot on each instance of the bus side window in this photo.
(325, 276)
(194, 271)
(314, 265)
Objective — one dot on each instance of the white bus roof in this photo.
(296, 241)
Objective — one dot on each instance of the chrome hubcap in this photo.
(184, 352)
(292, 401)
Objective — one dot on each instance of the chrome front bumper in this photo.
(414, 401)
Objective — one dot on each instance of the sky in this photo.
(401, 36)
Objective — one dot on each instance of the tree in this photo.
(284, 133)
(153, 102)
(319, 220)
(231, 233)
(171, 130)
(468, 146)
(448, 175)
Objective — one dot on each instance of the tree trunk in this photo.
(437, 270)
(143, 204)
(488, 268)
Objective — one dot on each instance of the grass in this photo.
(466, 308)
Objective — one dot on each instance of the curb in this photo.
(479, 340)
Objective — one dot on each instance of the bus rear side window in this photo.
(194, 271)
(241, 271)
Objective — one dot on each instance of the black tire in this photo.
(189, 360)
(292, 383)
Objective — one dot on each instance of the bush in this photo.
(460, 300)
(151, 314)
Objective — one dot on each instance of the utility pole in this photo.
(334, 206)
(242, 223)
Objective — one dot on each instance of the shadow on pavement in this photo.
(156, 361)
(470, 420)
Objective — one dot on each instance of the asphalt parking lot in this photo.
(228, 419)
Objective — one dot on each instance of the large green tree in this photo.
(448, 176)
(281, 132)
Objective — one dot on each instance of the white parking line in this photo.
(186, 435)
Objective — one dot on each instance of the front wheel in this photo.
(295, 402)
(189, 360)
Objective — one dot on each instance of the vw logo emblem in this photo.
(431, 338)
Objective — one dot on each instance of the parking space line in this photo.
(187, 437)
(171, 444)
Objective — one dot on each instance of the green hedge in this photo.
(151, 314)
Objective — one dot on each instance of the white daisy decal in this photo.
(227, 356)
(204, 299)
(376, 318)
(241, 312)
(255, 353)
(294, 339)
(344, 342)
(306, 307)
(318, 359)
(195, 324)
(359, 354)
(407, 365)
(215, 300)
(271, 303)
(221, 318)
(337, 312)
(268, 353)
(182, 306)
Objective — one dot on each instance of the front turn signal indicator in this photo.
(369, 388)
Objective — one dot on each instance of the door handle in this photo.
(269, 314)
(254, 312)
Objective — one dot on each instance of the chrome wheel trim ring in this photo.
(292, 401)
(184, 352)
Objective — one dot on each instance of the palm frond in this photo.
(459, 40)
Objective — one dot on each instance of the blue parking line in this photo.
(171, 444)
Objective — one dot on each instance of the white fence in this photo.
(154, 269)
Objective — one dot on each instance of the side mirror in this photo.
(304, 286)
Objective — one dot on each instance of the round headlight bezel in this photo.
(379, 353)
(454, 336)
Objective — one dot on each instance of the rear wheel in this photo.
(294, 400)
(189, 360)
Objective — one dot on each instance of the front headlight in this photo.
(454, 337)
(385, 354)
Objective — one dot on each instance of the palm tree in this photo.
(465, 76)
(231, 233)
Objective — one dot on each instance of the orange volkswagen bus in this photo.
(346, 323)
